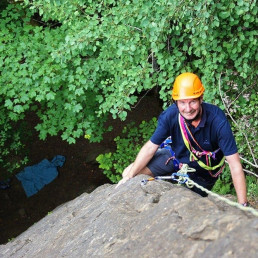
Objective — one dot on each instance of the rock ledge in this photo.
(156, 220)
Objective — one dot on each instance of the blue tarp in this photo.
(34, 178)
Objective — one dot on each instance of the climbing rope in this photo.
(183, 178)
(235, 204)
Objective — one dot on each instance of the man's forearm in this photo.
(238, 177)
(240, 187)
(143, 158)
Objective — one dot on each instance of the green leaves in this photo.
(224, 15)
(82, 61)
(127, 146)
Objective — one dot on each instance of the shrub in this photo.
(128, 145)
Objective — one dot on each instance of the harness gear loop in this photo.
(167, 145)
(196, 155)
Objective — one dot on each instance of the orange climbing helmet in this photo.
(187, 86)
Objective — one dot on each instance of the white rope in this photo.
(235, 204)
(185, 168)
(183, 178)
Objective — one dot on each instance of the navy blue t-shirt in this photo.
(212, 133)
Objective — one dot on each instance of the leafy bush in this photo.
(128, 145)
(85, 59)
(12, 154)
(224, 184)
(75, 62)
(252, 186)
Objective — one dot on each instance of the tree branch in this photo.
(250, 172)
(141, 98)
(238, 96)
(245, 160)
(134, 27)
(251, 151)
(247, 171)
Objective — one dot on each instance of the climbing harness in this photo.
(196, 155)
(180, 176)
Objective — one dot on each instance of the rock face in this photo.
(156, 220)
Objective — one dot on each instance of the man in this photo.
(201, 137)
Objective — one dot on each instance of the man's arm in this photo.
(238, 177)
(144, 156)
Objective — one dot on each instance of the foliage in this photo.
(252, 183)
(128, 145)
(10, 145)
(74, 62)
(244, 108)
(224, 184)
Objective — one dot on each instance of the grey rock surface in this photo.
(156, 220)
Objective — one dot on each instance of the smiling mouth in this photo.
(189, 114)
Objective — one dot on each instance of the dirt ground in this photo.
(18, 213)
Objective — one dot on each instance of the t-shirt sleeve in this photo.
(226, 140)
(162, 130)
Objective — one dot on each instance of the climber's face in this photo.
(190, 109)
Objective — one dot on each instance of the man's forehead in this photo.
(187, 100)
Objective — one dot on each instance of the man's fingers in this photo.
(119, 183)
(122, 181)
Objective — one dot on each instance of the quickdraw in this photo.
(181, 176)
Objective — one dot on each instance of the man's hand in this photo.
(140, 163)
(122, 181)
(127, 170)
(125, 175)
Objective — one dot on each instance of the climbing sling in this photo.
(196, 155)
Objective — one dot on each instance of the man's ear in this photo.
(201, 99)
